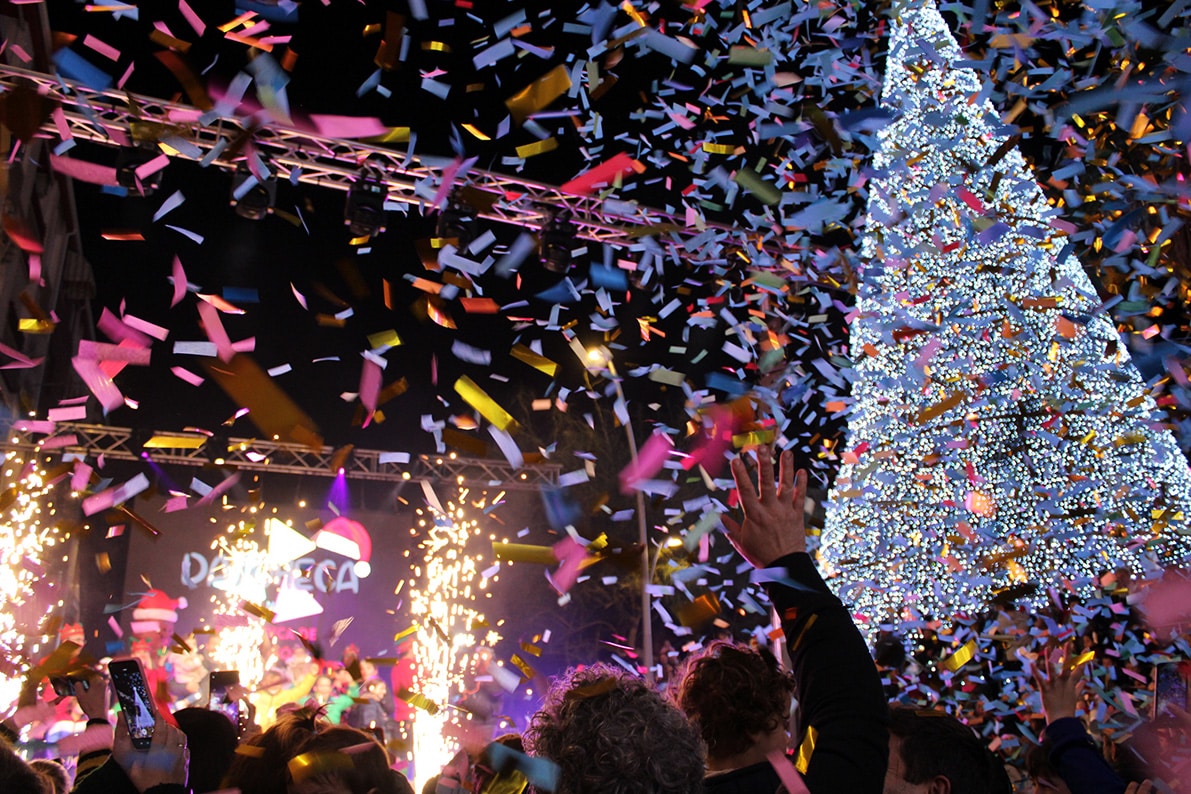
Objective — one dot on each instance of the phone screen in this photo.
(63, 687)
(1170, 688)
(136, 704)
(221, 700)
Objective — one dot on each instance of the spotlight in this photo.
(364, 213)
(555, 242)
(253, 198)
(456, 223)
(128, 160)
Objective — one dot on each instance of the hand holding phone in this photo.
(225, 694)
(1170, 690)
(166, 760)
(137, 712)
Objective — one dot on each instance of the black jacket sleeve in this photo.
(838, 688)
(1077, 760)
(110, 779)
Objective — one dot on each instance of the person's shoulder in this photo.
(754, 779)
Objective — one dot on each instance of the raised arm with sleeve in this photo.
(1071, 750)
(839, 693)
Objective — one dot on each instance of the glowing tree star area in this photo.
(1000, 437)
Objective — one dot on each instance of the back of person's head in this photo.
(17, 777)
(54, 772)
(343, 760)
(609, 732)
(926, 744)
(1042, 772)
(259, 764)
(734, 695)
(212, 741)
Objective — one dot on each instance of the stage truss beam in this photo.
(107, 117)
(198, 449)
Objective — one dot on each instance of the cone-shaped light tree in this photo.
(1000, 436)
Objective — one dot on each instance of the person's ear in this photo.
(941, 784)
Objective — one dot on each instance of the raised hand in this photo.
(774, 516)
(166, 761)
(1057, 683)
(92, 694)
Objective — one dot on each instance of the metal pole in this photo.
(646, 568)
(602, 356)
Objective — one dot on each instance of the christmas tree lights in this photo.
(1000, 437)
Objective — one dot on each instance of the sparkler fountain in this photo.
(24, 542)
(449, 631)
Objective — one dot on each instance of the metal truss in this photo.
(107, 117)
(198, 449)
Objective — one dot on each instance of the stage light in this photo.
(364, 213)
(456, 224)
(252, 197)
(131, 158)
(556, 240)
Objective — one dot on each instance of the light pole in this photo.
(601, 357)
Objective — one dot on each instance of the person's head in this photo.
(343, 760)
(737, 697)
(609, 732)
(17, 777)
(1042, 773)
(324, 687)
(53, 772)
(374, 689)
(931, 752)
(367, 669)
(259, 764)
(273, 682)
(212, 740)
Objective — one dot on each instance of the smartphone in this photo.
(1170, 688)
(222, 682)
(136, 704)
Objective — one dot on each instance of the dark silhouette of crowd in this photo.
(824, 717)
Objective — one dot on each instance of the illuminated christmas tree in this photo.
(1000, 437)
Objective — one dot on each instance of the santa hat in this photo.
(155, 608)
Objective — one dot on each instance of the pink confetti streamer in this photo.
(215, 331)
(179, 283)
(370, 382)
(571, 554)
(649, 461)
(787, 773)
(188, 376)
(100, 384)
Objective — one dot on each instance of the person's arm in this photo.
(840, 699)
(299, 690)
(341, 703)
(94, 744)
(161, 769)
(1073, 754)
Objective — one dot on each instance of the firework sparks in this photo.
(23, 542)
(450, 631)
(244, 574)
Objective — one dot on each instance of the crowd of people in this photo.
(826, 718)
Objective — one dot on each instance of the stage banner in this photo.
(338, 580)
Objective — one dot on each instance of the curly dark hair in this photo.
(733, 694)
(610, 733)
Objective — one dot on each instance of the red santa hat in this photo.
(155, 608)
